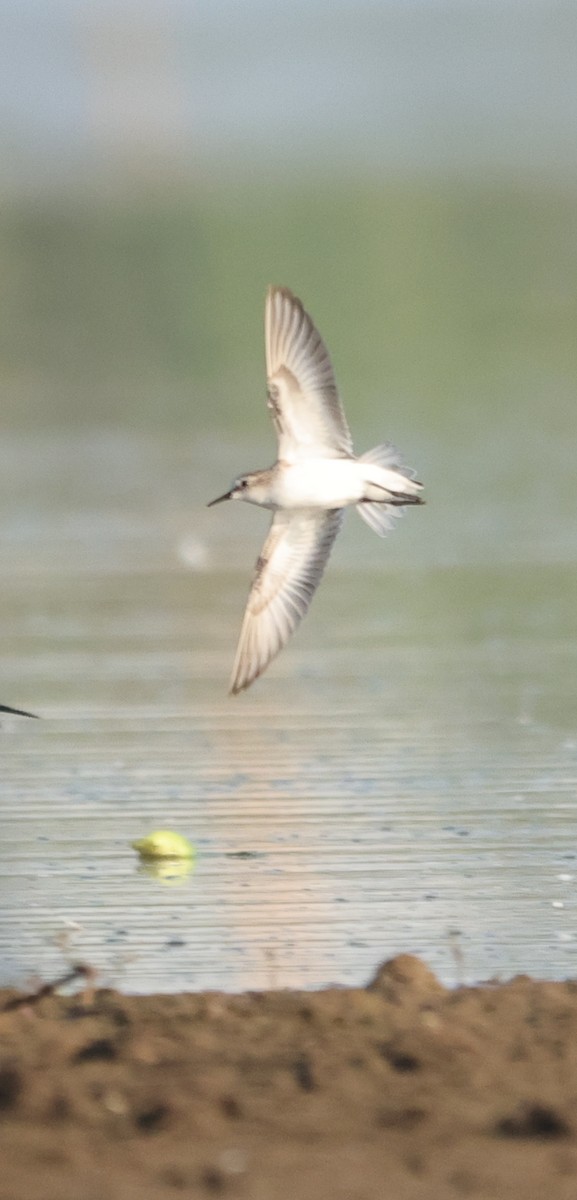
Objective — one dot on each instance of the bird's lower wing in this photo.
(287, 574)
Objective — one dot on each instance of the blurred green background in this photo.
(407, 168)
(432, 297)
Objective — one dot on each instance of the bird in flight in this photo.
(315, 478)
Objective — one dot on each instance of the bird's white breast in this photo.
(318, 483)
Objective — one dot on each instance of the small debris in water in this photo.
(244, 854)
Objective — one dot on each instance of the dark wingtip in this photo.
(18, 712)
(277, 290)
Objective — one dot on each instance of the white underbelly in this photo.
(319, 483)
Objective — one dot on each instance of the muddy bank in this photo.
(401, 1089)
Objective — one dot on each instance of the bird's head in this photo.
(254, 488)
(239, 491)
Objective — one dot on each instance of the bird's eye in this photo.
(244, 484)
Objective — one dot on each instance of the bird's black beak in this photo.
(219, 499)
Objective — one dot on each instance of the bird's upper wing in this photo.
(287, 574)
(302, 392)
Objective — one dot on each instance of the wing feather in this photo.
(302, 391)
(287, 575)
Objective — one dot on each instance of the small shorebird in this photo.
(315, 478)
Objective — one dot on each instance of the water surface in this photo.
(405, 770)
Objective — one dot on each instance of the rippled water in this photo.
(407, 768)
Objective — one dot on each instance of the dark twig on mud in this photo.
(77, 971)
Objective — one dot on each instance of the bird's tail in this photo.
(402, 487)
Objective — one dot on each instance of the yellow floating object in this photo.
(170, 871)
(164, 844)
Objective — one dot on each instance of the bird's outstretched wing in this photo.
(287, 574)
(302, 392)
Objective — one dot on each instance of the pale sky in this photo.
(389, 84)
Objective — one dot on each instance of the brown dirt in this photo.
(401, 1089)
